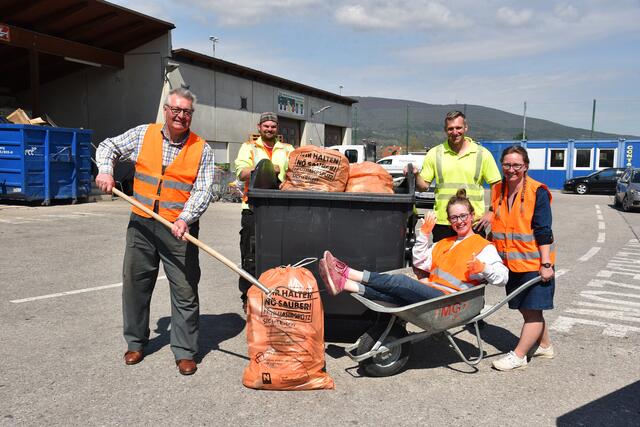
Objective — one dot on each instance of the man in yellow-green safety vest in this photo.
(459, 162)
(267, 146)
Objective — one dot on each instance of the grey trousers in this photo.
(148, 243)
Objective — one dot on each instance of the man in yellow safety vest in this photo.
(459, 162)
(267, 146)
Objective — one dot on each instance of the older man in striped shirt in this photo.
(174, 178)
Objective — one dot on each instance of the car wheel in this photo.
(625, 204)
(582, 188)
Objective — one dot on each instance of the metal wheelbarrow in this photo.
(384, 349)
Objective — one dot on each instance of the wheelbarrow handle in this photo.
(506, 299)
(217, 255)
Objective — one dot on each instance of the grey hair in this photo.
(182, 93)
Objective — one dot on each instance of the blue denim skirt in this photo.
(537, 297)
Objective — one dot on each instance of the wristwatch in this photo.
(546, 264)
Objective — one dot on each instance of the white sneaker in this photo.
(545, 353)
(509, 362)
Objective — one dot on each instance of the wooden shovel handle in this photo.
(217, 255)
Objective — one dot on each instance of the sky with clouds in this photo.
(556, 55)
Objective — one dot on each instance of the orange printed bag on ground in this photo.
(314, 168)
(369, 177)
(285, 333)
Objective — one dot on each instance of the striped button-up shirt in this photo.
(127, 147)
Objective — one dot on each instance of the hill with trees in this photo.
(384, 120)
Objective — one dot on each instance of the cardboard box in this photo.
(19, 117)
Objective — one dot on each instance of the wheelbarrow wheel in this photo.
(390, 362)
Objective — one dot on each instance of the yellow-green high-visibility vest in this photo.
(465, 173)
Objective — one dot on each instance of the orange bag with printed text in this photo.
(369, 177)
(285, 333)
(314, 168)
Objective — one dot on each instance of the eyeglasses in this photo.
(176, 111)
(456, 218)
(514, 166)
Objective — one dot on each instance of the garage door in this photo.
(332, 135)
(290, 130)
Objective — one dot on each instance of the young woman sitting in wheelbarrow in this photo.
(454, 264)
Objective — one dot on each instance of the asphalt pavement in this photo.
(62, 345)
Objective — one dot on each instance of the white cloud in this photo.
(250, 12)
(397, 14)
(357, 16)
(546, 33)
(513, 18)
(470, 51)
(566, 11)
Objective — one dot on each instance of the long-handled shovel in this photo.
(226, 261)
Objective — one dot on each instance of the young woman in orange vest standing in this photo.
(455, 263)
(521, 230)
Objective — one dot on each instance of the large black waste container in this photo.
(366, 230)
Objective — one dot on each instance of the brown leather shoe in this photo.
(133, 357)
(186, 366)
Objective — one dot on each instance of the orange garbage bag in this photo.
(285, 333)
(369, 177)
(314, 168)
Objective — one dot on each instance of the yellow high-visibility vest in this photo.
(450, 172)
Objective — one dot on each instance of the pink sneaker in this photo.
(333, 272)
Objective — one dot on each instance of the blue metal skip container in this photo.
(44, 163)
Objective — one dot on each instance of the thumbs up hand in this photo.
(474, 266)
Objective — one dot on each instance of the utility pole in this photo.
(464, 110)
(524, 122)
(355, 125)
(214, 40)
(593, 118)
(406, 140)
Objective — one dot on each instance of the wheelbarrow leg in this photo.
(351, 348)
(475, 360)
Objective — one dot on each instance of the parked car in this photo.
(395, 164)
(603, 181)
(356, 153)
(628, 190)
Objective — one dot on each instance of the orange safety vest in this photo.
(165, 193)
(512, 231)
(449, 266)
